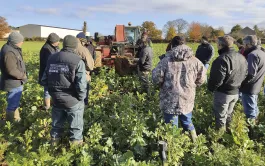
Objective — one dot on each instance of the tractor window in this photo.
(130, 34)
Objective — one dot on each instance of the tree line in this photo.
(192, 31)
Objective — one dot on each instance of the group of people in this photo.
(233, 74)
(65, 76)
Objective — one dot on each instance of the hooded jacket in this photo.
(65, 78)
(178, 75)
(205, 52)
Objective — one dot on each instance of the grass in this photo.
(29, 46)
(35, 46)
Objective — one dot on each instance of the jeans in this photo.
(87, 95)
(46, 93)
(185, 120)
(223, 108)
(13, 98)
(250, 104)
(74, 116)
(144, 79)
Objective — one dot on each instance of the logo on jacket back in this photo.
(58, 68)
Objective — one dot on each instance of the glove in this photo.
(162, 56)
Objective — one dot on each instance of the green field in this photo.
(122, 127)
(29, 46)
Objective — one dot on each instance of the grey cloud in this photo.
(49, 11)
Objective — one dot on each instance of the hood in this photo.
(181, 53)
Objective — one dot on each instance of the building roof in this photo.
(247, 31)
(53, 27)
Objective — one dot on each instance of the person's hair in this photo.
(221, 41)
(251, 40)
(205, 38)
(226, 41)
(142, 42)
(177, 40)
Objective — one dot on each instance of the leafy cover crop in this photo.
(123, 127)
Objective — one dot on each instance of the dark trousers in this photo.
(87, 95)
(144, 80)
(223, 108)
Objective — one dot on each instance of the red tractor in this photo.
(121, 49)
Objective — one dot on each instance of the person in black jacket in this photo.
(253, 83)
(145, 64)
(13, 74)
(205, 52)
(65, 77)
(91, 48)
(227, 73)
(50, 47)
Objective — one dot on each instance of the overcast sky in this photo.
(103, 15)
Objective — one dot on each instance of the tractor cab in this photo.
(132, 34)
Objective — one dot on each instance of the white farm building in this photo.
(33, 30)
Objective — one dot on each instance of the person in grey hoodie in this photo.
(145, 64)
(50, 47)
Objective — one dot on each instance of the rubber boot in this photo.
(55, 142)
(47, 103)
(13, 116)
(251, 125)
(193, 135)
(17, 116)
(2, 123)
(10, 116)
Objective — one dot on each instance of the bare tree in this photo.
(179, 24)
(206, 30)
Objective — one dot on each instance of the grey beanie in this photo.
(53, 38)
(70, 41)
(227, 40)
(15, 38)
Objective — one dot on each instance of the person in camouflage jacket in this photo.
(178, 74)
